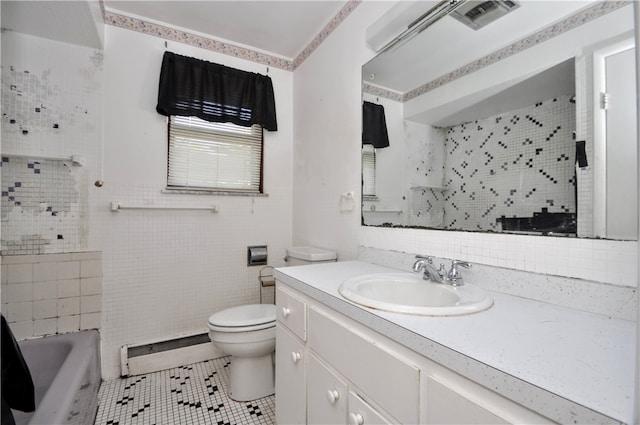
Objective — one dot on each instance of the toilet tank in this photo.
(300, 255)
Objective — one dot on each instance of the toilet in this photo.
(247, 333)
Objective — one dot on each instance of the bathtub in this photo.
(66, 376)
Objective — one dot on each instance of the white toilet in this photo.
(248, 334)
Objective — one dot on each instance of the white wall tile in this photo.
(91, 286)
(43, 272)
(18, 273)
(90, 268)
(68, 306)
(19, 292)
(45, 309)
(45, 327)
(20, 312)
(45, 290)
(68, 324)
(68, 288)
(90, 321)
(69, 270)
(90, 304)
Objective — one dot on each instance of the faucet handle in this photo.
(425, 257)
(454, 276)
(464, 264)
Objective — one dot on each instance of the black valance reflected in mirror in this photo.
(526, 124)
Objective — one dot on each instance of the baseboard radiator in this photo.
(137, 359)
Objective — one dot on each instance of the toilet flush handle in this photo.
(286, 311)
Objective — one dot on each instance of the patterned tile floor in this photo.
(189, 395)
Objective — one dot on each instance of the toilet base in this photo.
(251, 378)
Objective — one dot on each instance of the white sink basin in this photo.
(409, 293)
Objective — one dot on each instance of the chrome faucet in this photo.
(453, 277)
(425, 264)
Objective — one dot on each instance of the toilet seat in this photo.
(244, 318)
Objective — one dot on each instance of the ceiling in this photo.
(75, 22)
(280, 28)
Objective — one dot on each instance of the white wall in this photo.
(327, 100)
(327, 135)
(165, 272)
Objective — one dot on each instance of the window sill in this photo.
(211, 192)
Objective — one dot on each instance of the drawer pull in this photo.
(333, 396)
(286, 311)
(295, 356)
(356, 419)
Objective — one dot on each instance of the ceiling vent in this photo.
(477, 14)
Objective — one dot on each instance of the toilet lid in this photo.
(244, 315)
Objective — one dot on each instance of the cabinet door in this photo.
(290, 378)
(361, 413)
(448, 406)
(326, 395)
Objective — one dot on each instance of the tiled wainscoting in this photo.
(52, 293)
(187, 395)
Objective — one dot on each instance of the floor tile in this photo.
(190, 395)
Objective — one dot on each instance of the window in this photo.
(207, 155)
(368, 171)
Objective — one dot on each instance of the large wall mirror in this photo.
(507, 116)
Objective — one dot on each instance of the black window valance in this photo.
(374, 125)
(215, 93)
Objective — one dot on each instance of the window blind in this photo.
(213, 155)
(368, 170)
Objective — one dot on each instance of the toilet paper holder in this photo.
(257, 255)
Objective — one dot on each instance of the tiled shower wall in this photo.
(40, 206)
(51, 108)
(513, 165)
(52, 293)
(51, 112)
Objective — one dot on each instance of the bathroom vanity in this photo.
(521, 361)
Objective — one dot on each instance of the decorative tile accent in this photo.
(326, 31)
(40, 207)
(574, 21)
(189, 395)
(523, 151)
(379, 91)
(172, 34)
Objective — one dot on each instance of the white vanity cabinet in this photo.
(333, 370)
(291, 359)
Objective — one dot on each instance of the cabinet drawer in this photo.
(390, 381)
(291, 311)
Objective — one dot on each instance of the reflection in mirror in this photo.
(534, 134)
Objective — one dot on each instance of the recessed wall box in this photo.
(257, 255)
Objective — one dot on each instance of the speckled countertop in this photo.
(568, 365)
